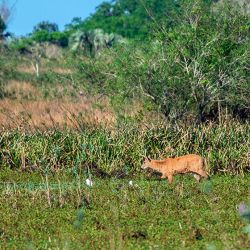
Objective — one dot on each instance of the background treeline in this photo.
(187, 59)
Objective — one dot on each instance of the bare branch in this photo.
(6, 10)
(146, 94)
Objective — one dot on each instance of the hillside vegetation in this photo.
(194, 69)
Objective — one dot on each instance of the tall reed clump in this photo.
(226, 148)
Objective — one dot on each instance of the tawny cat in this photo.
(184, 164)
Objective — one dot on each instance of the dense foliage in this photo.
(198, 69)
(81, 108)
(46, 26)
(93, 41)
(131, 18)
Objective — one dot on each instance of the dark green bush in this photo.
(197, 70)
(59, 38)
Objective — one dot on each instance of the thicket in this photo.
(195, 71)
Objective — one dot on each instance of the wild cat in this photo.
(184, 164)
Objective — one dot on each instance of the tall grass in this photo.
(120, 151)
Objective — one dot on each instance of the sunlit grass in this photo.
(119, 152)
(112, 214)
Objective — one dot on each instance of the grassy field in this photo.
(58, 127)
(61, 212)
(46, 204)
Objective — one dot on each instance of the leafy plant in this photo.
(195, 71)
(46, 26)
(93, 41)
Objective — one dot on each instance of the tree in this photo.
(131, 18)
(5, 13)
(197, 69)
(205, 54)
(93, 41)
(46, 26)
(5, 10)
(75, 24)
(49, 32)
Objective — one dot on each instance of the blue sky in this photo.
(27, 13)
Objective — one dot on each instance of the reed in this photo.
(120, 150)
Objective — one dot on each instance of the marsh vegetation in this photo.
(88, 102)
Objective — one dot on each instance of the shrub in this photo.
(193, 71)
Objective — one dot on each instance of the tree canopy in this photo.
(46, 26)
(130, 18)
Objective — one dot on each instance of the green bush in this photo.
(59, 38)
(93, 42)
(197, 70)
(46, 26)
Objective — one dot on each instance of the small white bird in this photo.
(130, 183)
(89, 182)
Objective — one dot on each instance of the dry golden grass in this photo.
(44, 114)
(61, 70)
(21, 90)
(29, 68)
(24, 68)
(25, 108)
